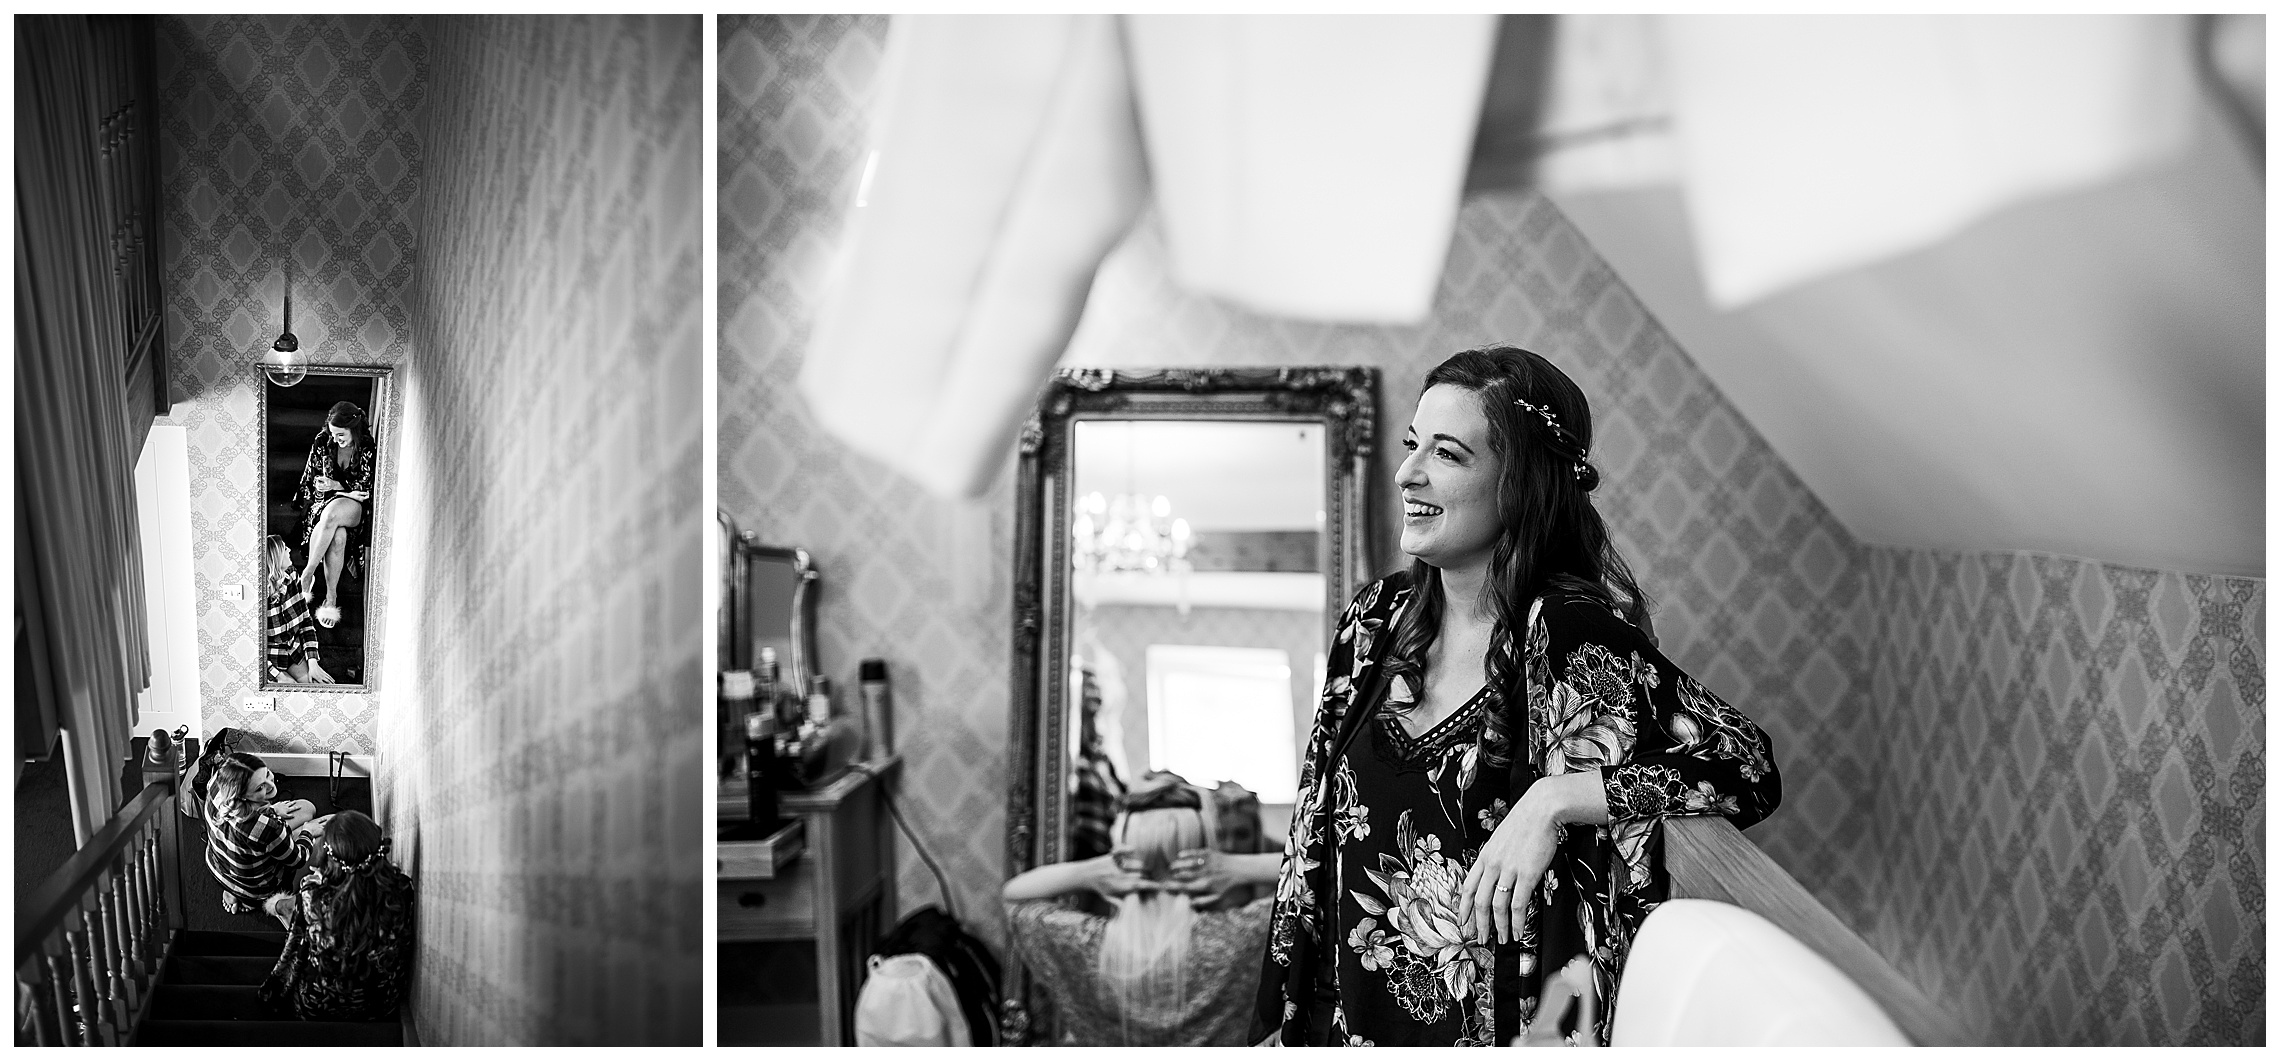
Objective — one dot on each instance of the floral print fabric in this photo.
(1363, 947)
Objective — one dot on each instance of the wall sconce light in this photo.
(283, 364)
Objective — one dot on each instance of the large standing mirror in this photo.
(322, 480)
(1185, 538)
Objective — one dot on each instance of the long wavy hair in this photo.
(1143, 951)
(364, 890)
(1553, 538)
(351, 416)
(225, 789)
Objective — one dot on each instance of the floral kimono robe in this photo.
(354, 477)
(1364, 948)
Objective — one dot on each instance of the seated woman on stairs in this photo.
(349, 952)
(253, 841)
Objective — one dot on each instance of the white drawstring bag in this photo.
(909, 1002)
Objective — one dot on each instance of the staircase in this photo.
(127, 942)
(207, 997)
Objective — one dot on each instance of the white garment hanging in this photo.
(1308, 167)
(1007, 166)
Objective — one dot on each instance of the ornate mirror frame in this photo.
(1343, 399)
(800, 670)
(385, 418)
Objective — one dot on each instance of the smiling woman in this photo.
(1497, 741)
(323, 439)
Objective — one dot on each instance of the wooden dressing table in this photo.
(838, 896)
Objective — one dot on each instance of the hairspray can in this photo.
(878, 711)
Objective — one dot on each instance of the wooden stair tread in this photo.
(269, 1033)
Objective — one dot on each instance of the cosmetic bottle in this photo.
(736, 702)
(761, 771)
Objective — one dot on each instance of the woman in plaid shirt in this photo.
(254, 842)
(292, 636)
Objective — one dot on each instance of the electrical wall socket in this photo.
(233, 591)
(261, 703)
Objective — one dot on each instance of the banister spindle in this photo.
(131, 904)
(118, 951)
(102, 958)
(33, 975)
(86, 1003)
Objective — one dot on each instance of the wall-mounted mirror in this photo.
(1184, 539)
(323, 463)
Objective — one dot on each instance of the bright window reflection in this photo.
(1223, 714)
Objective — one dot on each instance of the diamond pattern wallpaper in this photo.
(285, 142)
(2071, 796)
(544, 739)
(1763, 595)
(1994, 766)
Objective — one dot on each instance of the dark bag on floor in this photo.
(973, 972)
(225, 743)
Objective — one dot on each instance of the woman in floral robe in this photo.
(1495, 746)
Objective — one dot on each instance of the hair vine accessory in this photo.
(363, 865)
(1560, 437)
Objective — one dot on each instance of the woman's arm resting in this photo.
(1056, 879)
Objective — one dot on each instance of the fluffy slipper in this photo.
(328, 616)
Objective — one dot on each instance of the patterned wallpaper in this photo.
(545, 727)
(920, 582)
(1762, 594)
(1126, 631)
(283, 138)
(2071, 796)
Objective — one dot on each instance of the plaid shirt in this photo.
(292, 635)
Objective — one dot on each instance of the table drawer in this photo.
(779, 908)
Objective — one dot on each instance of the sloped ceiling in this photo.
(2081, 375)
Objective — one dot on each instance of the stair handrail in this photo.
(92, 938)
(1707, 858)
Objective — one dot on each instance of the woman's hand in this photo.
(1205, 875)
(1113, 876)
(326, 484)
(1493, 900)
(297, 812)
(1209, 874)
(317, 674)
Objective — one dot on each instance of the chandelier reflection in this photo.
(1129, 533)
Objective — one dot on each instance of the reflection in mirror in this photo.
(1182, 537)
(320, 440)
(776, 586)
(1196, 569)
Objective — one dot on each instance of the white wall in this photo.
(162, 495)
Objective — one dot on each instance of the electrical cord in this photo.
(941, 881)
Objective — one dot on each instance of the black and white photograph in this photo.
(358, 456)
(1484, 530)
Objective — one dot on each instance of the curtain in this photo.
(78, 565)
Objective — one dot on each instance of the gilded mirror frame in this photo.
(384, 418)
(1342, 399)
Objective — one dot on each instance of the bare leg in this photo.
(328, 544)
(335, 558)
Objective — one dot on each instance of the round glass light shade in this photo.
(284, 364)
